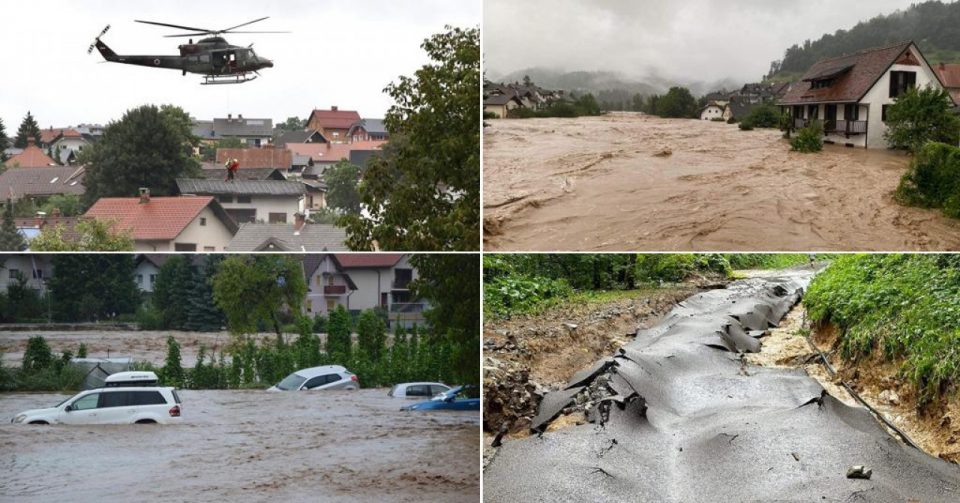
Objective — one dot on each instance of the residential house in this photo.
(368, 130)
(250, 200)
(306, 136)
(362, 281)
(851, 94)
(738, 109)
(316, 194)
(252, 132)
(33, 226)
(147, 268)
(500, 105)
(183, 224)
(713, 110)
(30, 157)
(36, 269)
(255, 158)
(327, 154)
(40, 183)
(299, 236)
(216, 171)
(63, 142)
(950, 77)
(333, 124)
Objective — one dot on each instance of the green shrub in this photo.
(319, 324)
(675, 267)
(68, 378)
(766, 260)
(149, 317)
(732, 120)
(718, 119)
(919, 116)
(933, 180)
(766, 115)
(746, 125)
(37, 356)
(809, 138)
(508, 295)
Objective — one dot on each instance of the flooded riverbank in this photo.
(238, 445)
(633, 182)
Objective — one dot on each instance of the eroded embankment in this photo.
(677, 415)
(628, 181)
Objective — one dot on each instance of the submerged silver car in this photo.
(318, 378)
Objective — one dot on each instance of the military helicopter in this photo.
(214, 58)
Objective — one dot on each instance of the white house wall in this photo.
(25, 265)
(265, 205)
(142, 275)
(212, 237)
(879, 95)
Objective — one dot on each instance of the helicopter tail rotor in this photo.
(97, 40)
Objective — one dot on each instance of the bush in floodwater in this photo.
(746, 125)
(933, 180)
(809, 139)
(732, 120)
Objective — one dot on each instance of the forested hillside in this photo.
(934, 26)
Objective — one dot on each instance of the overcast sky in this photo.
(340, 53)
(689, 40)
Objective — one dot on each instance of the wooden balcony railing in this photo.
(334, 289)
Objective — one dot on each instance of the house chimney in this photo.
(333, 108)
(39, 219)
(229, 116)
(299, 220)
(239, 116)
(144, 195)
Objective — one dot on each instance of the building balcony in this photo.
(845, 127)
(335, 290)
(400, 284)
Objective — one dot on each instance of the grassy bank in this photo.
(898, 308)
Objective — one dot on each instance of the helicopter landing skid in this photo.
(209, 80)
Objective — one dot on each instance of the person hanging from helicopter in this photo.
(232, 166)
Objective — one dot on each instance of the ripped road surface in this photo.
(683, 418)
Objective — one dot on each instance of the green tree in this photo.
(10, 238)
(37, 356)
(209, 152)
(149, 147)
(451, 283)
(82, 351)
(920, 116)
(172, 291)
(87, 235)
(4, 143)
(172, 372)
(250, 289)
(28, 129)
(371, 334)
(342, 194)
(202, 313)
(677, 103)
(88, 286)
(339, 328)
(67, 204)
(293, 124)
(423, 191)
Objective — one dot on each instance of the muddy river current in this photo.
(247, 446)
(627, 181)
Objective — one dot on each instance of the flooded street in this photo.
(247, 445)
(632, 182)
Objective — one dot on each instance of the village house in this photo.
(38, 184)
(298, 236)
(316, 194)
(738, 109)
(36, 269)
(950, 77)
(713, 110)
(257, 158)
(368, 130)
(30, 157)
(182, 224)
(250, 200)
(324, 155)
(363, 281)
(146, 268)
(333, 124)
(500, 105)
(307, 136)
(32, 227)
(252, 132)
(850, 94)
(63, 140)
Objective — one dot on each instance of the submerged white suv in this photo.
(126, 398)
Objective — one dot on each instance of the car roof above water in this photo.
(315, 371)
(131, 378)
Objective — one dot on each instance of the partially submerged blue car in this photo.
(448, 401)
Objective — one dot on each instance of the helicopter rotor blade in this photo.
(257, 32)
(185, 35)
(205, 30)
(244, 24)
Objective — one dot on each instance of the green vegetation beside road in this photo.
(899, 308)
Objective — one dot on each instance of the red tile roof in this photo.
(358, 260)
(31, 157)
(950, 76)
(267, 157)
(332, 152)
(48, 136)
(855, 74)
(332, 119)
(161, 219)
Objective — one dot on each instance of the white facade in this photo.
(264, 208)
(711, 112)
(879, 95)
(36, 269)
(145, 275)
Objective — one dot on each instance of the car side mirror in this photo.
(69, 408)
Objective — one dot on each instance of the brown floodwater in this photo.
(247, 446)
(628, 181)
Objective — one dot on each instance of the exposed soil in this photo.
(936, 429)
(244, 446)
(627, 181)
(526, 356)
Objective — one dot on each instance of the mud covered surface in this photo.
(247, 446)
(627, 181)
(684, 418)
(529, 355)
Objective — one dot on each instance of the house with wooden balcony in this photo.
(363, 281)
(850, 95)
